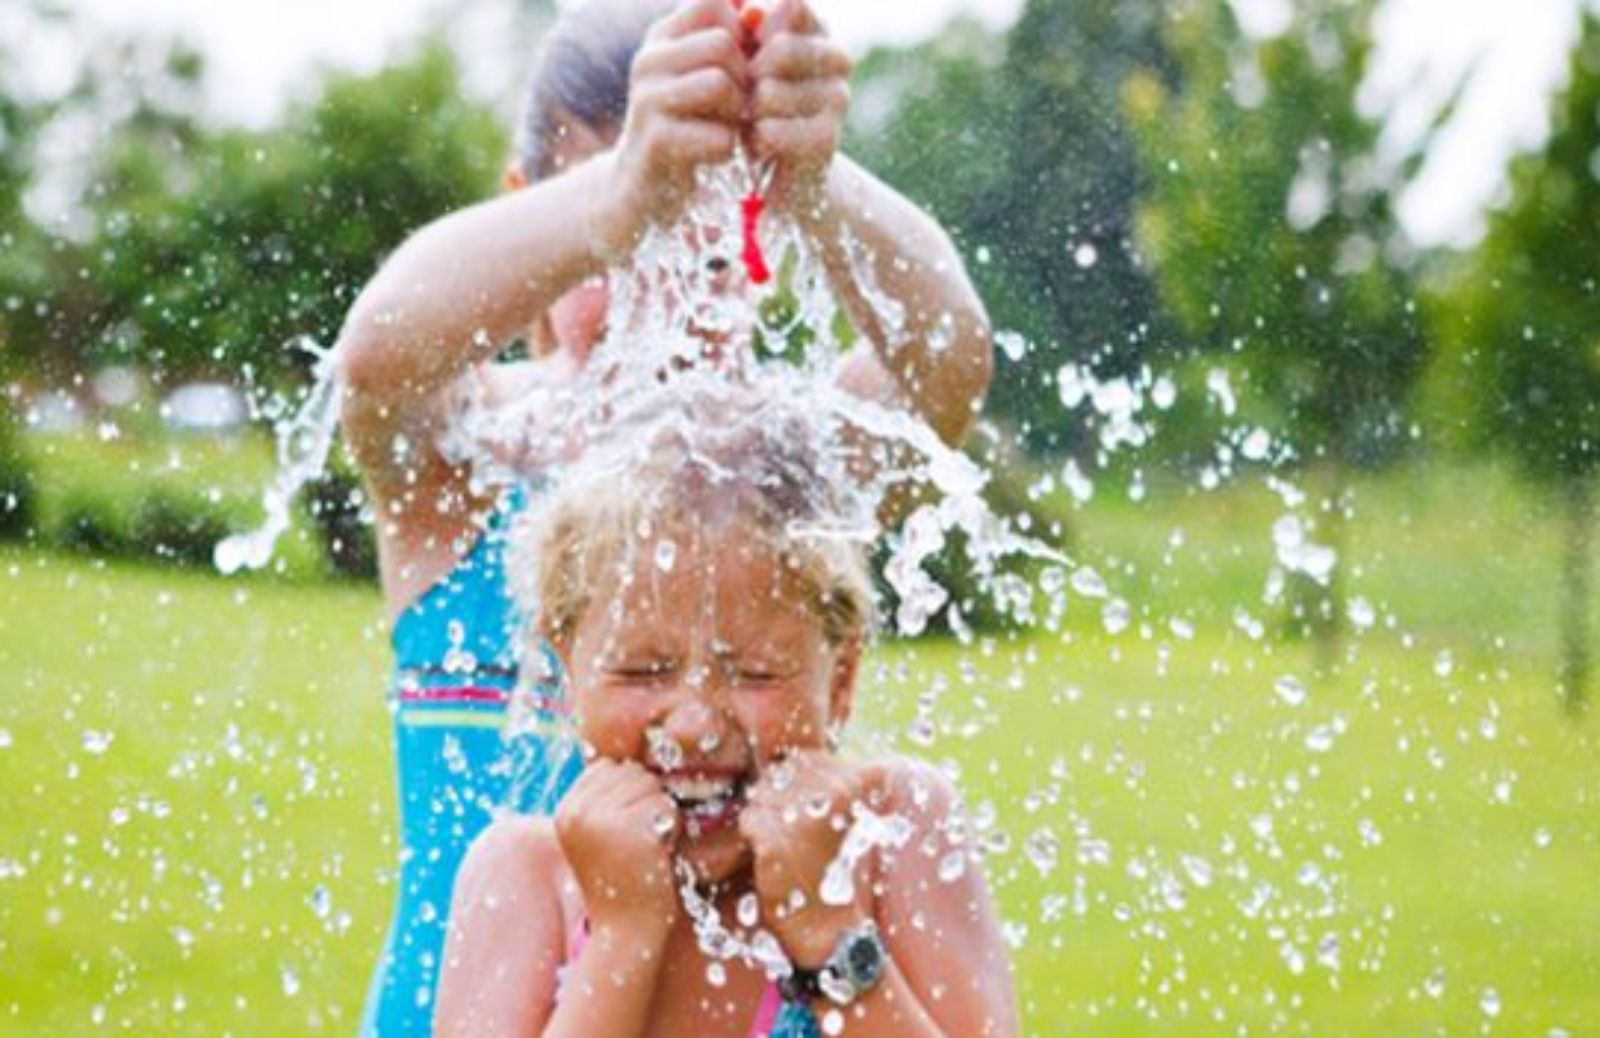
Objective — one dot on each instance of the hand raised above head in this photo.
(687, 97)
(799, 99)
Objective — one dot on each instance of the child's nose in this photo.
(697, 725)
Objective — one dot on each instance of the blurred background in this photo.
(1299, 358)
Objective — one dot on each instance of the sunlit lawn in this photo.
(196, 802)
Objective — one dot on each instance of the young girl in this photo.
(710, 683)
(629, 99)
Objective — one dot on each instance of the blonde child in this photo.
(710, 681)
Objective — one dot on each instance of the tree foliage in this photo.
(1272, 225)
(1523, 328)
(1020, 147)
(212, 251)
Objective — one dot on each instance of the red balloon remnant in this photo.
(755, 263)
(752, 18)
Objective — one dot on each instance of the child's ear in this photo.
(842, 683)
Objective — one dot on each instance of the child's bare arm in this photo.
(506, 936)
(951, 974)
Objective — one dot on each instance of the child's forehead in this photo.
(737, 582)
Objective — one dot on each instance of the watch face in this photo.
(865, 958)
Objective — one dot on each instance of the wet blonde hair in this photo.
(705, 464)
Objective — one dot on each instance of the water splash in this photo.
(304, 441)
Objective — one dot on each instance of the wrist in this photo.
(856, 967)
(613, 225)
(810, 941)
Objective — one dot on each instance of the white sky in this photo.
(259, 50)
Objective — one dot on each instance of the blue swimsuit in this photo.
(455, 670)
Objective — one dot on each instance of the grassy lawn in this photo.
(197, 803)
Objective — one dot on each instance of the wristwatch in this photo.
(854, 968)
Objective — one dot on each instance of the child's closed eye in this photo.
(642, 671)
(761, 676)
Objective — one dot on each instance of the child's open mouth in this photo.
(707, 803)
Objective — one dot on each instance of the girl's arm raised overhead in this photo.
(881, 252)
(461, 287)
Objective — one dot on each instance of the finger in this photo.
(705, 48)
(691, 15)
(790, 56)
(791, 99)
(674, 143)
(709, 93)
(811, 139)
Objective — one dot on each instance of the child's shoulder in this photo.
(515, 850)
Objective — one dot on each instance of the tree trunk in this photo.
(1328, 623)
(1576, 579)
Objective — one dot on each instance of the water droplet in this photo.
(1362, 615)
(1014, 346)
(664, 751)
(1293, 958)
(1043, 849)
(1490, 1003)
(1199, 870)
(1328, 952)
(1257, 445)
(1290, 689)
(1444, 664)
(321, 902)
(1085, 255)
(1320, 739)
(716, 974)
(952, 866)
(96, 743)
(1088, 583)
(291, 982)
(749, 910)
(832, 1022)
(1433, 984)
(1542, 838)
(666, 555)
(1116, 615)
(5, 739)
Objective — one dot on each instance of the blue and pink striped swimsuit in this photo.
(456, 667)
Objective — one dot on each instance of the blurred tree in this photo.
(20, 257)
(1048, 175)
(212, 251)
(1271, 226)
(1522, 322)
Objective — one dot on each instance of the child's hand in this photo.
(686, 98)
(800, 96)
(795, 817)
(616, 827)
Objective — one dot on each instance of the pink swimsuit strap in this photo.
(766, 1015)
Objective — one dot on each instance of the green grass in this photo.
(166, 885)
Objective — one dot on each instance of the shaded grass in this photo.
(223, 864)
